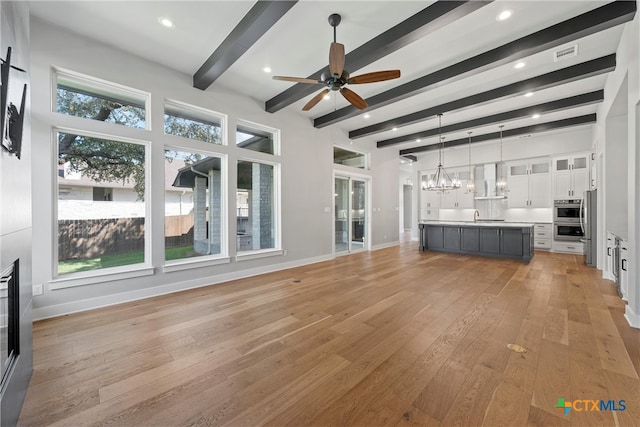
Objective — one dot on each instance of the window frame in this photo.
(277, 212)
(98, 84)
(367, 158)
(275, 133)
(197, 111)
(203, 260)
(110, 273)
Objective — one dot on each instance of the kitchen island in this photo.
(493, 238)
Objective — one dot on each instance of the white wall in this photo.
(306, 173)
(627, 72)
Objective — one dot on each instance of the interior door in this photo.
(342, 207)
(350, 214)
(358, 214)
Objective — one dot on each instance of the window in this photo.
(256, 205)
(101, 215)
(256, 138)
(94, 99)
(193, 205)
(193, 123)
(342, 156)
(102, 194)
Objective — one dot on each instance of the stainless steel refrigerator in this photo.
(588, 212)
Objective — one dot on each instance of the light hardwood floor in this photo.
(393, 337)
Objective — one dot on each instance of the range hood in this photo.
(486, 176)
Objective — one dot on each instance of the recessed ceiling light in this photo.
(267, 69)
(418, 140)
(326, 96)
(366, 116)
(535, 116)
(394, 129)
(166, 22)
(528, 94)
(504, 15)
(519, 65)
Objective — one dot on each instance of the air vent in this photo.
(562, 54)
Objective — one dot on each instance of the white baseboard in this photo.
(632, 318)
(385, 245)
(47, 312)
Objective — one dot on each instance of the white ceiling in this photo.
(298, 44)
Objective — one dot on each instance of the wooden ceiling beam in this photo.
(260, 18)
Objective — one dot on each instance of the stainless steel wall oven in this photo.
(566, 220)
(566, 210)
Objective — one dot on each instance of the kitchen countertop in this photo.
(619, 234)
(481, 223)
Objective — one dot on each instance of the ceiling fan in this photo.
(336, 77)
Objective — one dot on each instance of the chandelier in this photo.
(471, 186)
(441, 180)
(501, 182)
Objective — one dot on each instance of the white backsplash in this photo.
(491, 208)
(529, 215)
(497, 209)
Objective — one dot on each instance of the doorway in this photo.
(350, 210)
(407, 206)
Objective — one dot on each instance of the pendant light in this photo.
(441, 181)
(501, 182)
(471, 186)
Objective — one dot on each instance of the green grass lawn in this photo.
(107, 261)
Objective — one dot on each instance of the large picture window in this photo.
(107, 231)
(256, 206)
(193, 205)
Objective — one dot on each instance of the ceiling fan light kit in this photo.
(336, 76)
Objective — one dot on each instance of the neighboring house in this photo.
(81, 197)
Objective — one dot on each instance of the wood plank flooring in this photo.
(394, 337)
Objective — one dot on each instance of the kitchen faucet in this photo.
(476, 214)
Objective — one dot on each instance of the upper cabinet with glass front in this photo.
(570, 176)
(529, 183)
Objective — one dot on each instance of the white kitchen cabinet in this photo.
(568, 247)
(529, 184)
(542, 233)
(460, 198)
(429, 201)
(570, 176)
(624, 269)
(611, 241)
(593, 179)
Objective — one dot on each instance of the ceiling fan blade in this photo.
(354, 98)
(336, 59)
(315, 100)
(296, 80)
(376, 76)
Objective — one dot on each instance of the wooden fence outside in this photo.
(92, 238)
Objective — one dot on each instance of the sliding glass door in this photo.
(350, 210)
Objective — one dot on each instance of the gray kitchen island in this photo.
(497, 239)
